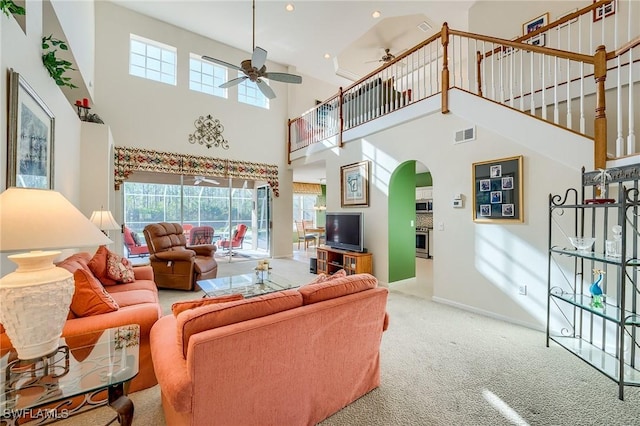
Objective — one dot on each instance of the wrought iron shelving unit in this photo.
(607, 338)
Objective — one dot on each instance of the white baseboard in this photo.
(489, 314)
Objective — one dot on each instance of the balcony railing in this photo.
(560, 73)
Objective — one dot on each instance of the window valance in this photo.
(128, 160)
(307, 188)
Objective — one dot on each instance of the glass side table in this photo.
(83, 365)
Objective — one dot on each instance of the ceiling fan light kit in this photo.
(255, 69)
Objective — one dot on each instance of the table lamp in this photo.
(104, 220)
(35, 299)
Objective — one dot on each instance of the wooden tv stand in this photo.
(332, 260)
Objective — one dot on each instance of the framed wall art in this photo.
(31, 134)
(497, 190)
(534, 24)
(354, 184)
(604, 11)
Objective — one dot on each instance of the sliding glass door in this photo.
(190, 200)
(263, 215)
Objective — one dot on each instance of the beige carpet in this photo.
(443, 366)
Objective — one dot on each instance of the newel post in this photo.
(600, 125)
(445, 68)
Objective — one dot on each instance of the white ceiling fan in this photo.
(197, 180)
(254, 69)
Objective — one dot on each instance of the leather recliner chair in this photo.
(176, 265)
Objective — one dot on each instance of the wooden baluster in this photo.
(478, 71)
(600, 125)
(445, 68)
(340, 116)
(289, 141)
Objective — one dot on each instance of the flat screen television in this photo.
(345, 231)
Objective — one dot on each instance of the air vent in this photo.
(424, 27)
(465, 135)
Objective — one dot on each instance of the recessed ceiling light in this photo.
(289, 7)
(327, 56)
(376, 14)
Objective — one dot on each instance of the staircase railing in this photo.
(550, 73)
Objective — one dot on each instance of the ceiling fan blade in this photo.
(233, 82)
(259, 57)
(283, 76)
(265, 89)
(223, 63)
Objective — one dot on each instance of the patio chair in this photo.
(133, 244)
(236, 240)
(201, 235)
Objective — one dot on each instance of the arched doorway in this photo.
(406, 270)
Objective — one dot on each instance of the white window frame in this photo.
(249, 93)
(206, 77)
(303, 213)
(158, 62)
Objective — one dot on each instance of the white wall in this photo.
(478, 266)
(22, 52)
(151, 115)
(77, 21)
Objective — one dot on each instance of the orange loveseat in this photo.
(292, 357)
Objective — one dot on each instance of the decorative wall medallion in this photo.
(209, 133)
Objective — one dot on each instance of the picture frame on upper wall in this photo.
(604, 11)
(534, 24)
(31, 137)
(498, 190)
(354, 184)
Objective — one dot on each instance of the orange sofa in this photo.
(292, 357)
(138, 304)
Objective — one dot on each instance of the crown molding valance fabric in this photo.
(307, 188)
(129, 160)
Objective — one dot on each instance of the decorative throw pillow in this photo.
(324, 277)
(136, 239)
(98, 265)
(333, 288)
(178, 307)
(90, 297)
(119, 268)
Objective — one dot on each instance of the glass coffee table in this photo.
(39, 389)
(249, 285)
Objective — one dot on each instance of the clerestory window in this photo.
(152, 60)
(248, 93)
(205, 77)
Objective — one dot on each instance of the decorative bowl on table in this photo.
(582, 244)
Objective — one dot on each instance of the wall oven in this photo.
(422, 242)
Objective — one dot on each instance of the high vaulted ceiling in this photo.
(345, 30)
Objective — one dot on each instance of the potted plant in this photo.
(8, 7)
(56, 66)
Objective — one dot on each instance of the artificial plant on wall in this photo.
(56, 66)
(8, 7)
